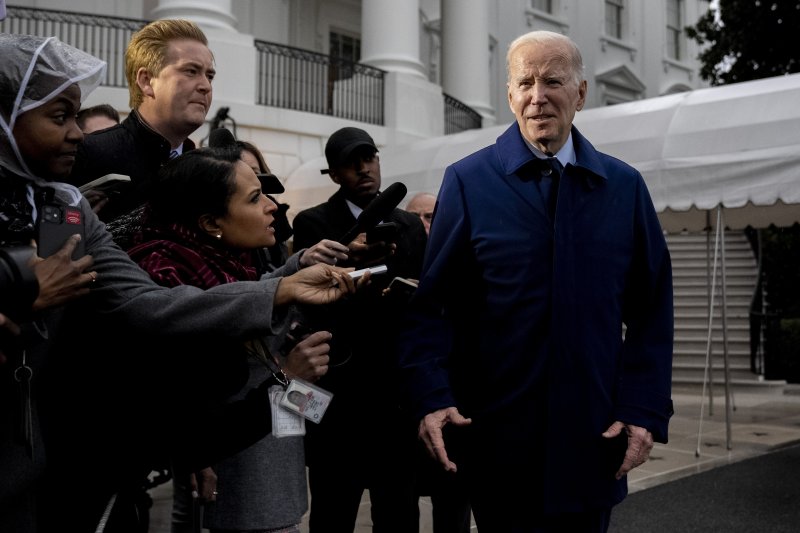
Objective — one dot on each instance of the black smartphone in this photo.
(56, 224)
(386, 232)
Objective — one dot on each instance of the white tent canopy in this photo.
(736, 146)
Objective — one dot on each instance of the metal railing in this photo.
(292, 78)
(287, 77)
(459, 117)
(102, 36)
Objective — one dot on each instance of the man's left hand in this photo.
(365, 255)
(640, 442)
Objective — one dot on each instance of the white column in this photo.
(390, 35)
(390, 41)
(206, 13)
(465, 54)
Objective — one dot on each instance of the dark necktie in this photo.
(550, 178)
(173, 154)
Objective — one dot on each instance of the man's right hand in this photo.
(430, 431)
(364, 255)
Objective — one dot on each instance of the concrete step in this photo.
(740, 284)
(689, 359)
(699, 353)
(750, 385)
(737, 238)
(699, 262)
(736, 329)
(693, 335)
(699, 345)
(683, 251)
(737, 373)
(701, 322)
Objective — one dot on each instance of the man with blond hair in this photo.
(169, 69)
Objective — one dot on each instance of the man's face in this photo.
(543, 94)
(178, 99)
(360, 178)
(48, 135)
(422, 206)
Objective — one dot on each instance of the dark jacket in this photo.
(363, 358)
(131, 148)
(531, 342)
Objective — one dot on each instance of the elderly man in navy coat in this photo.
(538, 354)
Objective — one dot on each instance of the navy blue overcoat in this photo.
(545, 333)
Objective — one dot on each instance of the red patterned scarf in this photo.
(176, 255)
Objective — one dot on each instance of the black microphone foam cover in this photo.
(378, 209)
(221, 137)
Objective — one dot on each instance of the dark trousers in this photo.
(448, 493)
(337, 487)
(506, 499)
(507, 490)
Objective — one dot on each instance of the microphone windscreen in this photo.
(378, 209)
(382, 205)
(222, 114)
(221, 137)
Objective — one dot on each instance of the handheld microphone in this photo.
(377, 210)
(220, 138)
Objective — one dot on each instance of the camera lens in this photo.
(52, 214)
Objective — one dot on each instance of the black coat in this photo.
(131, 148)
(363, 368)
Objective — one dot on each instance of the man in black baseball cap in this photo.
(353, 164)
(343, 143)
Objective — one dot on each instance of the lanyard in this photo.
(258, 349)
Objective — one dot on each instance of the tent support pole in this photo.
(709, 306)
(728, 392)
(713, 286)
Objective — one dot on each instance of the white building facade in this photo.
(424, 50)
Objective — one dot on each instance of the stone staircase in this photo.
(691, 279)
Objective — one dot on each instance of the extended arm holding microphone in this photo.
(378, 209)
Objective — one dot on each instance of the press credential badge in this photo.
(284, 423)
(306, 400)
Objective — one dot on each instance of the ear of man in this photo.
(144, 81)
